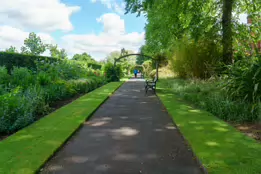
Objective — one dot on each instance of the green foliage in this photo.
(147, 67)
(112, 56)
(16, 111)
(33, 45)
(26, 95)
(22, 77)
(243, 80)
(4, 76)
(55, 52)
(83, 57)
(43, 78)
(209, 96)
(49, 133)
(86, 58)
(94, 65)
(113, 73)
(11, 50)
(9, 60)
(153, 74)
(196, 59)
(140, 59)
(219, 146)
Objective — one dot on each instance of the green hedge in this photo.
(9, 60)
(94, 65)
(28, 149)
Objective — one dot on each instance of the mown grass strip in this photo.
(27, 150)
(220, 147)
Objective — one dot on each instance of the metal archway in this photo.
(125, 54)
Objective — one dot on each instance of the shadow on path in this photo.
(129, 134)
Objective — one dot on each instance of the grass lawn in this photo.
(28, 149)
(221, 148)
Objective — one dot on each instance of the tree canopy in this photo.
(169, 21)
(83, 57)
(33, 45)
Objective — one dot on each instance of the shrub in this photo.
(243, 80)
(195, 59)
(16, 111)
(22, 77)
(113, 73)
(4, 76)
(147, 67)
(36, 95)
(153, 73)
(94, 65)
(81, 85)
(10, 60)
(55, 91)
(209, 96)
(43, 78)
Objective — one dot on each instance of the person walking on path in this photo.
(135, 73)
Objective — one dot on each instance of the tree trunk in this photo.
(227, 31)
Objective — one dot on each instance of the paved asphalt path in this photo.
(129, 134)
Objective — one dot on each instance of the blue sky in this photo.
(94, 26)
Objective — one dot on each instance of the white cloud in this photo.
(111, 39)
(117, 7)
(10, 36)
(43, 15)
(112, 23)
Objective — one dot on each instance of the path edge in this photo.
(201, 166)
(77, 129)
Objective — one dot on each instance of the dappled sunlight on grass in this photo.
(194, 110)
(220, 147)
(29, 148)
(212, 143)
(221, 129)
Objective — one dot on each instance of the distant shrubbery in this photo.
(29, 91)
(113, 73)
(10, 60)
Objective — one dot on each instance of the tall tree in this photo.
(170, 20)
(33, 45)
(113, 55)
(227, 31)
(11, 50)
(54, 51)
(141, 59)
(83, 57)
(62, 54)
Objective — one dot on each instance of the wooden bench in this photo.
(151, 84)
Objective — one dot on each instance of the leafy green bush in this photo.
(153, 74)
(196, 59)
(10, 60)
(43, 78)
(22, 77)
(94, 65)
(4, 76)
(243, 80)
(16, 111)
(209, 96)
(25, 95)
(147, 65)
(36, 95)
(113, 73)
